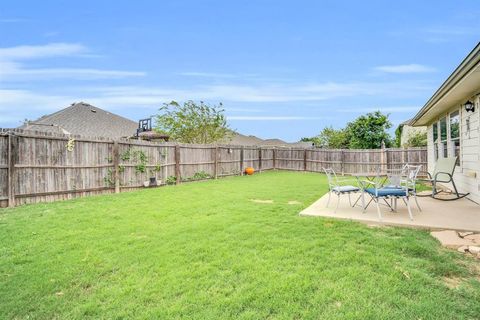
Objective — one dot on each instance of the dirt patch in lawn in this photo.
(293, 202)
(261, 201)
(453, 282)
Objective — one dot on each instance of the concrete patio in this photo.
(460, 215)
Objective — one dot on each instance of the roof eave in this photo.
(471, 61)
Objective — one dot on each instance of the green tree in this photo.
(331, 138)
(417, 139)
(398, 136)
(193, 122)
(368, 131)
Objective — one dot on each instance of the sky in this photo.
(282, 69)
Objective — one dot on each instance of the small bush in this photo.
(171, 180)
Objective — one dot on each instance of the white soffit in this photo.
(462, 91)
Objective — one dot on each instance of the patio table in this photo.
(370, 176)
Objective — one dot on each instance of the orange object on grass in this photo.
(249, 171)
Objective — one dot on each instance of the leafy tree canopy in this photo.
(193, 122)
(330, 138)
(398, 136)
(417, 139)
(368, 131)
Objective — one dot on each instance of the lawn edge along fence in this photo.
(40, 166)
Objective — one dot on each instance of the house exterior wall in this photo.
(467, 175)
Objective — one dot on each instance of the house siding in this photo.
(467, 176)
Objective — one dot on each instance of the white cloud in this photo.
(18, 105)
(405, 68)
(14, 71)
(260, 93)
(140, 96)
(216, 75)
(206, 74)
(16, 100)
(41, 51)
(124, 96)
(273, 118)
(399, 109)
(21, 104)
(234, 109)
(5, 120)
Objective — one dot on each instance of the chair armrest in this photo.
(446, 173)
(428, 178)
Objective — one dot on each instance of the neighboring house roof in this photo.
(405, 123)
(460, 85)
(243, 140)
(303, 144)
(86, 120)
(274, 142)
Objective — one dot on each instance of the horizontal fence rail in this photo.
(41, 167)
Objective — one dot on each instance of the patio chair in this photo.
(395, 178)
(443, 173)
(339, 187)
(403, 189)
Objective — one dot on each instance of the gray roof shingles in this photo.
(85, 120)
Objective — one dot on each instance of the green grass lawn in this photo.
(205, 251)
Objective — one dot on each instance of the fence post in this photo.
(177, 164)
(116, 166)
(342, 164)
(305, 160)
(383, 156)
(259, 159)
(215, 162)
(386, 160)
(12, 151)
(241, 160)
(274, 156)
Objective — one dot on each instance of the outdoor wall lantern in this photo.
(469, 106)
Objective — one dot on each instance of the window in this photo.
(455, 134)
(443, 137)
(446, 136)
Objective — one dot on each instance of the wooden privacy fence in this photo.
(39, 167)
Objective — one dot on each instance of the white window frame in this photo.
(435, 141)
(443, 143)
(440, 144)
(451, 148)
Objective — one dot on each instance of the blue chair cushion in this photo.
(343, 189)
(387, 192)
(396, 187)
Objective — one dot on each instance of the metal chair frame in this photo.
(339, 187)
(404, 188)
(443, 173)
